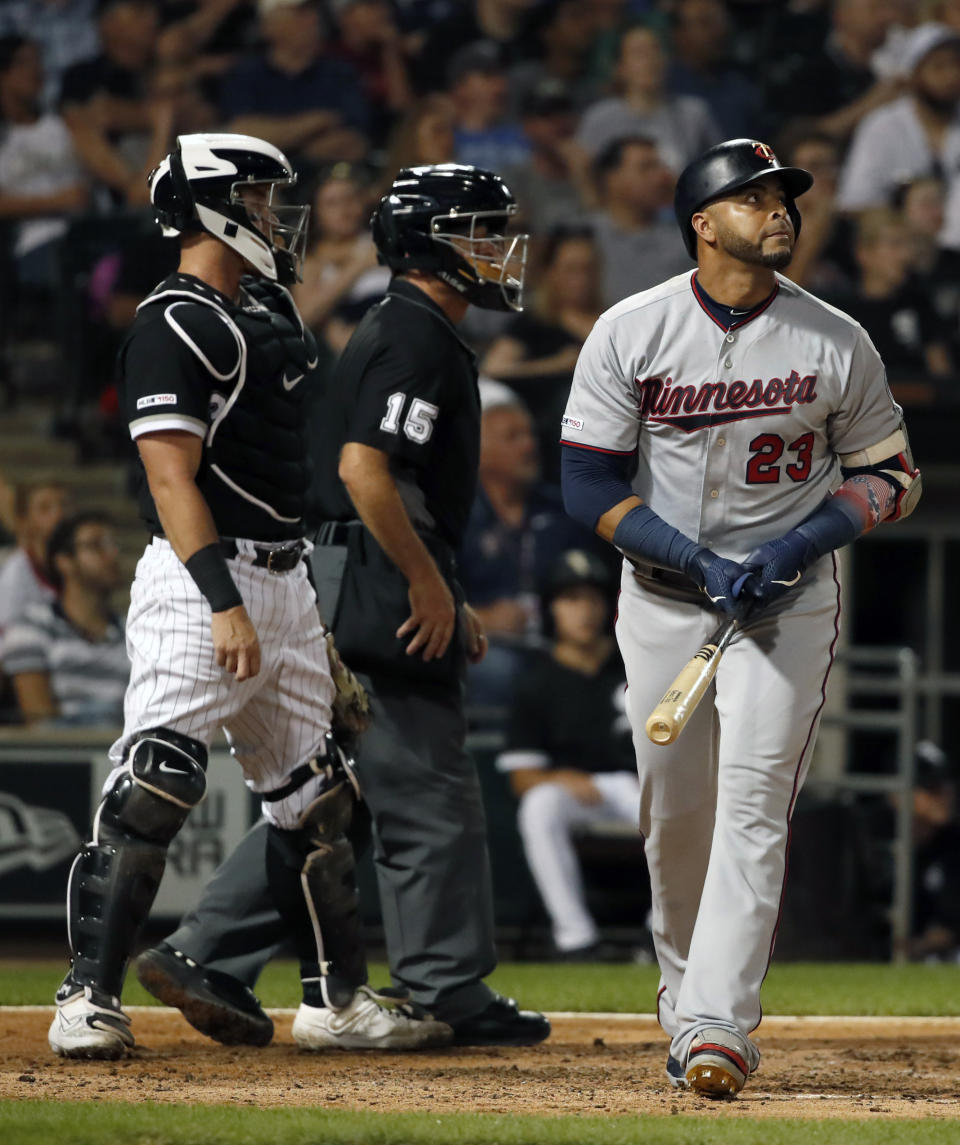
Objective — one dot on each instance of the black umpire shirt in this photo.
(407, 385)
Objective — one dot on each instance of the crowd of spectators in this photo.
(63, 660)
(588, 108)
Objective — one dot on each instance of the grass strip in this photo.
(41, 1122)
(790, 988)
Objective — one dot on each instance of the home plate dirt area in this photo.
(592, 1064)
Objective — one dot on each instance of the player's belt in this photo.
(666, 582)
(276, 559)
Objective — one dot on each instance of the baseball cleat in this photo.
(214, 1003)
(717, 1063)
(89, 1024)
(371, 1021)
(501, 1023)
(675, 1074)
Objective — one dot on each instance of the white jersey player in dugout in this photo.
(728, 432)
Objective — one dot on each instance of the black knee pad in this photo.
(166, 778)
(115, 878)
(312, 875)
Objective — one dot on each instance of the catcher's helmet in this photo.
(451, 220)
(198, 188)
(725, 168)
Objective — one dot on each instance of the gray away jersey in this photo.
(737, 433)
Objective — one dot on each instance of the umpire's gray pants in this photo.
(430, 854)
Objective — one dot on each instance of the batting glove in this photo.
(777, 566)
(723, 581)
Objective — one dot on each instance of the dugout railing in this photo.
(881, 690)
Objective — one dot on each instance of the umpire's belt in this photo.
(335, 532)
(666, 582)
(274, 558)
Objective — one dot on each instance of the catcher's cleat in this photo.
(89, 1024)
(214, 1003)
(718, 1063)
(372, 1021)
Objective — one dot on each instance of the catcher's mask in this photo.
(204, 184)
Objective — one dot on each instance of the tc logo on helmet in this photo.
(765, 152)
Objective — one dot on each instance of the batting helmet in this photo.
(198, 188)
(451, 220)
(726, 168)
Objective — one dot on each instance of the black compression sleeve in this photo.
(208, 567)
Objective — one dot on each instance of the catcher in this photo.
(223, 628)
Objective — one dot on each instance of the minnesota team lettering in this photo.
(714, 403)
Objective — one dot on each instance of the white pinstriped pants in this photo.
(273, 722)
(715, 805)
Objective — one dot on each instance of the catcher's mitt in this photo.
(351, 705)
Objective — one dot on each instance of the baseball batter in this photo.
(728, 432)
(223, 630)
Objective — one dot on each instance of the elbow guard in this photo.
(892, 460)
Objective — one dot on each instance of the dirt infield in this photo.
(811, 1068)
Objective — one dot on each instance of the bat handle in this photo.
(660, 731)
(669, 717)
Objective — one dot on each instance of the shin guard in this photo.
(116, 875)
(312, 875)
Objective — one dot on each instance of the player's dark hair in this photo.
(63, 540)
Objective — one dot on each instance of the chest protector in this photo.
(259, 357)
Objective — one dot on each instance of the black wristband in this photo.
(208, 567)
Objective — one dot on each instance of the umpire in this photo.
(398, 459)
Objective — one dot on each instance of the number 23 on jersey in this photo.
(763, 467)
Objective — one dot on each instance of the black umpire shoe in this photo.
(501, 1023)
(214, 1003)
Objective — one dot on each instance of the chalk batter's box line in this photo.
(770, 1025)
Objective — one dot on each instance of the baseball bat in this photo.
(668, 718)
